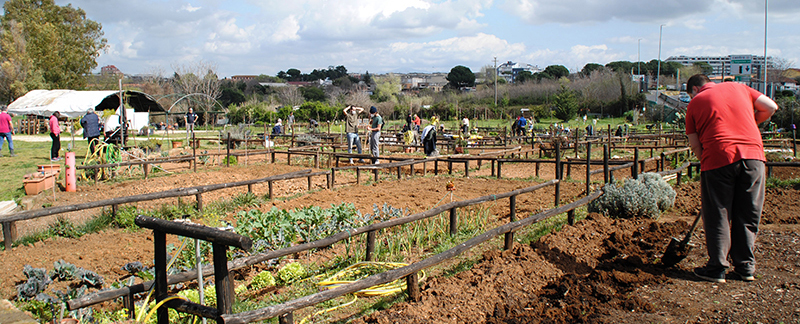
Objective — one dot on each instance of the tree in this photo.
(313, 94)
(589, 68)
(704, 67)
(460, 76)
(622, 66)
(199, 77)
(524, 76)
(566, 103)
(59, 42)
(387, 88)
(557, 71)
(17, 72)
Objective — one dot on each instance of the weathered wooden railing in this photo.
(197, 191)
(409, 272)
(262, 257)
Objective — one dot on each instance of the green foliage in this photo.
(291, 272)
(64, 228)
(54, 42)
(230, 159)
(64, 271)
(591, 67)
(460, 76)
(279, 228)
(317, 110)
(566, 104)
(646, 197)
(251, 112)
(262, 280)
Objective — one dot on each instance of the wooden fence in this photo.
(8, 222)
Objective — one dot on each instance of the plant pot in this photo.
(177, 144)
(49, 168)
(38, 182)
(459, 150)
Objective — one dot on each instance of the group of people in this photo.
(374, 128)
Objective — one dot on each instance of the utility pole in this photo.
(766, 67)
(495, 81)
(639, 58)
(658, 72)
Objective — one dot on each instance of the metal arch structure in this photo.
(195, 94)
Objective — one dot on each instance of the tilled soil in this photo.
(599, 270)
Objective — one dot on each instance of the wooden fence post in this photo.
(194, 153)
(269, 184)
(9, 229)
(375, 174)
(436, 167)
(199, 198)
(249, 188)
(588, 165)
(499, 169)
(605, 163)
(635, 167)
(228, 151)
(222, 279)
(412, 286)
(287, 318)
(160, 264)
(509, 239)
(571, 217)
(370, 246)
(453, 221)
(358, 175)
(493, 160)
(558, 175)
(309, 182)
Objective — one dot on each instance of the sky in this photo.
(252, 37)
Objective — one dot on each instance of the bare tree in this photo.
(290, 96)
(198, 78)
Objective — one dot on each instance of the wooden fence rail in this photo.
(262, 257)
(197, 191)
(391, 275)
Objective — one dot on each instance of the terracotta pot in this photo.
(177, 144)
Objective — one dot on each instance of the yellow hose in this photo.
(353, 273)
(155, 308)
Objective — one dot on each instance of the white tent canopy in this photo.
(73, 103)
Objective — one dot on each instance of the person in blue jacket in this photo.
(91, 129)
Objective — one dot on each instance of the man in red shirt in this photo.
(722, 126)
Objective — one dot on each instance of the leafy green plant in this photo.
(291, 272)
(230, 159)
(90, 278)
(64, 228)
(63, 271)
(262, 280)
(646, 197)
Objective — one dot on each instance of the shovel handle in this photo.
(691, 230)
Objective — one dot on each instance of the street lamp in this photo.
(658, 72)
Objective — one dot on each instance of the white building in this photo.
(731, 65)
(509, 70)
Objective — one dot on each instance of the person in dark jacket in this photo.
(91, 129)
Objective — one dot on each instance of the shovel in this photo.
(678, 250)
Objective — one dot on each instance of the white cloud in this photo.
(583, 12)
(189, 8)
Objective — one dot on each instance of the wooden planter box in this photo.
(38, 182)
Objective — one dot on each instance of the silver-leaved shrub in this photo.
(646, 197)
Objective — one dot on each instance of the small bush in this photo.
(646, 197)
(230, 158)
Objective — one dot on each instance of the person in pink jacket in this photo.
(55, 134)
(6, 130)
